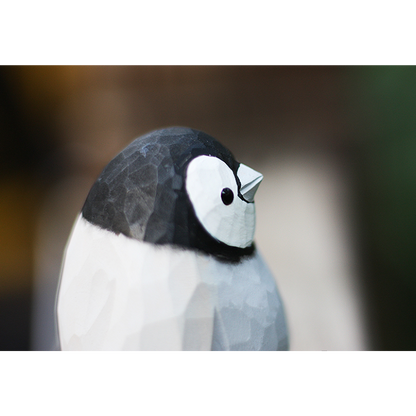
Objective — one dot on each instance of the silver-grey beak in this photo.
(250, 181)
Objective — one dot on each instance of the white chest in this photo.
(121, 294)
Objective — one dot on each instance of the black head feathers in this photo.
(141, 192)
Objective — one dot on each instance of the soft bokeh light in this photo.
(335, 212)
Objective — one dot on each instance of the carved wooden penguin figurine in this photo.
(162, 257)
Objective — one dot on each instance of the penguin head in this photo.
(181, 187)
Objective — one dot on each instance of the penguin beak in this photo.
(250, 181)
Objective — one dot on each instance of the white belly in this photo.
(117, 293)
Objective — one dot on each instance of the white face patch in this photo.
(232, 223)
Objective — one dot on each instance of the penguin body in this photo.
(162, 255)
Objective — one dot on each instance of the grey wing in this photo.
(249, 312)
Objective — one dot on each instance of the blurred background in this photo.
(336, 212)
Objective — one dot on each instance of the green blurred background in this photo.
(383, 100)
(58, 123)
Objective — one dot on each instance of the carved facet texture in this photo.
(118, 293)
(162, 255)
(141, 192)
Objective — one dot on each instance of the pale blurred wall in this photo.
(289, 123)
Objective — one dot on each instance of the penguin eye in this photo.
(227, 196)
(213, 192)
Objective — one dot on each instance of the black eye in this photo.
(227, 196)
